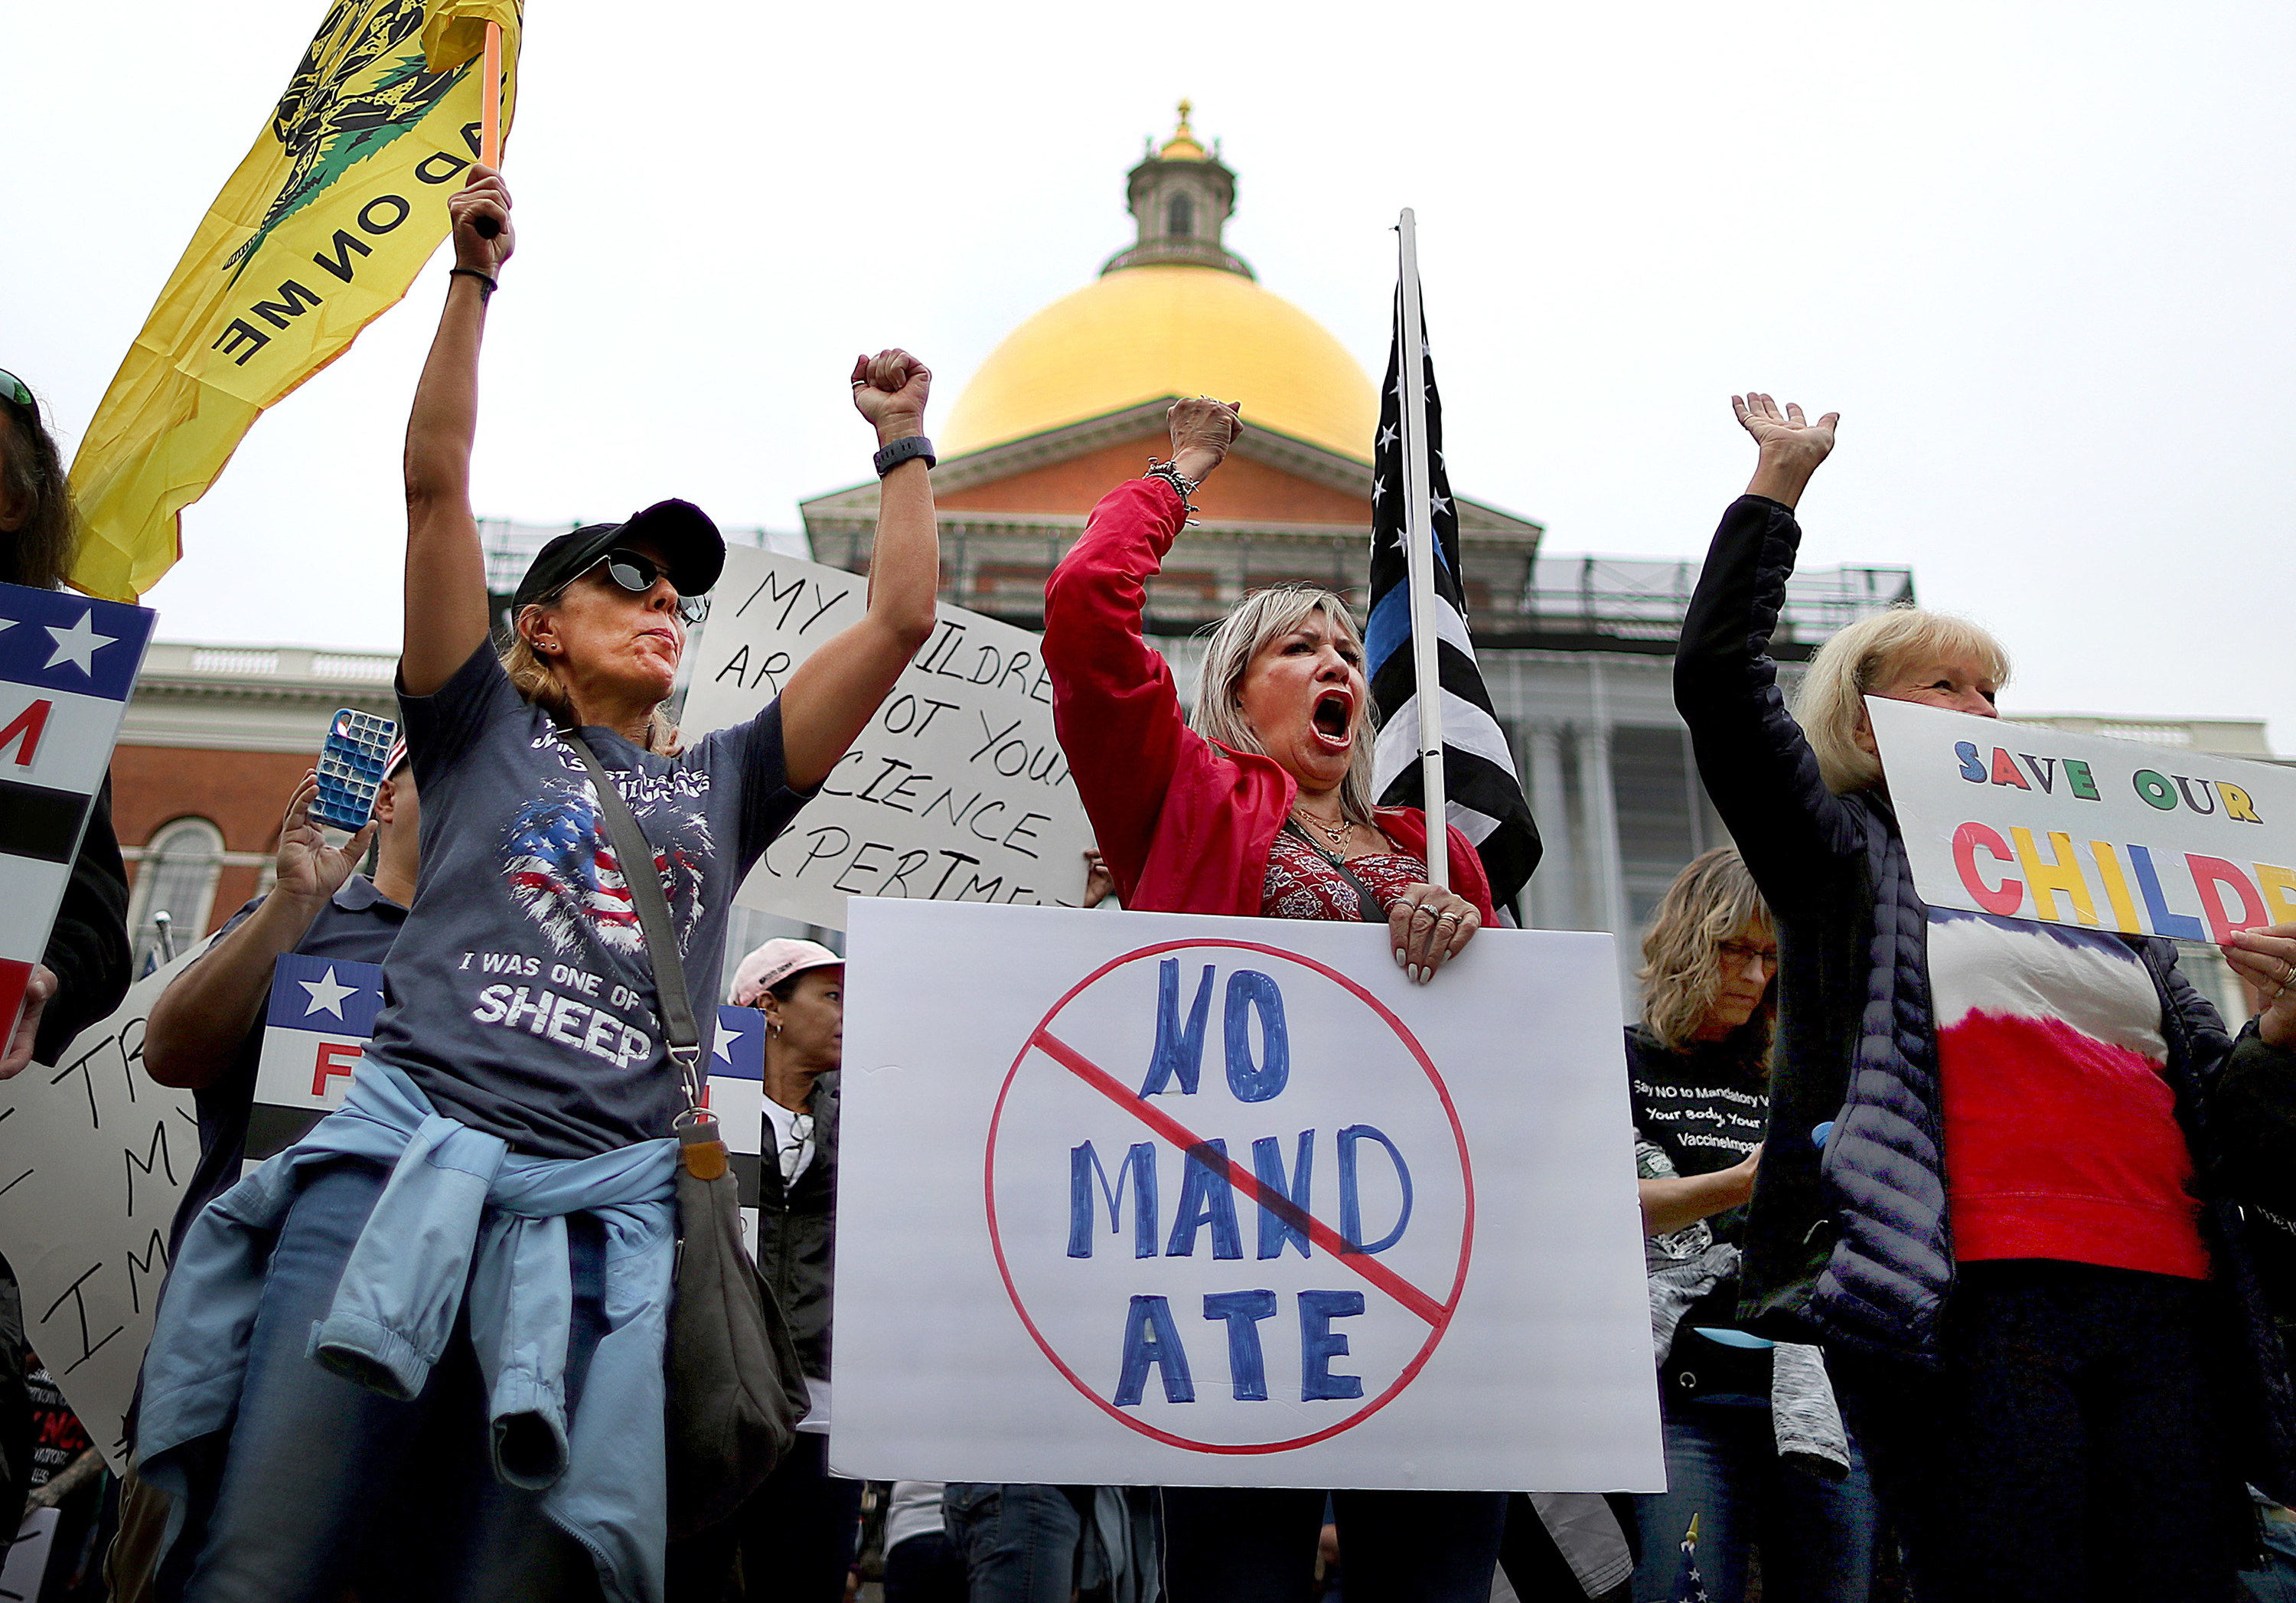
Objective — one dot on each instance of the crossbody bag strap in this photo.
(630, 844)
(1366, 904)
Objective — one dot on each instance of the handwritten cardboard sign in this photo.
(2118, 834)
(1193, 1201)
(958, 789)
(94, 1158)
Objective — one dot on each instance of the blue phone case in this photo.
(351, 768)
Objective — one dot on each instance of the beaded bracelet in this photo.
(1182, 485)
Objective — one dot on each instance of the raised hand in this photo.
(1202, 431)
(891, 389)
(310, 870)
(1792, 446)
(483, 194)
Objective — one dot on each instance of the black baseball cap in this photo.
(690, 543)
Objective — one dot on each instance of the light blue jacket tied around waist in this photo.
(461, 1216)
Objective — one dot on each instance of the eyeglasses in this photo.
(1737, 954)
(636, 574)
(793, 1152)
(17, 394)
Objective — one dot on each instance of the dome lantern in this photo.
(1181, 195)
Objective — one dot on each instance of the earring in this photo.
(774, 1028)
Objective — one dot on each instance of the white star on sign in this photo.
(718, 1047)
(79, 643)
(326, 993)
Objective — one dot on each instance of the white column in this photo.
(1554, 900)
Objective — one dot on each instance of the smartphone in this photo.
(351, 768)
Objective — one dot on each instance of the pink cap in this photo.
(775, 961)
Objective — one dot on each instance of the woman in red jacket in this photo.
(1259, 802)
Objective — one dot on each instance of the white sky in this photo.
(2036, 254)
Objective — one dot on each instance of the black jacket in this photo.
(1850, 1244)
(797, 1233)
(87, 949)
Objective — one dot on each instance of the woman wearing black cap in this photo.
(482, 1235)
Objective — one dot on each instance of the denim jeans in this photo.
(1019, 1541)
(1722, 1468)
(324, 1481)
(1258, 1545)
(2073, 1444)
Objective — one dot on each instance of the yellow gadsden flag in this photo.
(320, 231)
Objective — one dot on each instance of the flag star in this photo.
(1441, 503)
(79, 643)
(1388, 436)
(718, 1047)
(1378, 488)
(1402, 542)
(326, 994)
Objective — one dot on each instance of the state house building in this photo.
(1576, 649)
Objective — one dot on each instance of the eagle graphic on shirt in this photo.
(564, 872)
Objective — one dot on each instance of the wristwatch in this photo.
(892, 456)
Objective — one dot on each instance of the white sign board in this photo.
(1147, 1199)
(2027, 823)
(93, 1159)
(958, 789)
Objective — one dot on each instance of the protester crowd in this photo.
(1964, 1235)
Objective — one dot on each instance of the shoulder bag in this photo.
(734, 1387)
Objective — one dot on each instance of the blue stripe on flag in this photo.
(1387, 628)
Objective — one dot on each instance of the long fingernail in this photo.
(1398, 958)
(1414, 973)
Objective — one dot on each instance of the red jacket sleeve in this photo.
(1116, 706)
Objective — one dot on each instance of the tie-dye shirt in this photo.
(2061, 1134)
(519, 995)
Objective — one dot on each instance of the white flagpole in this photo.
(1419, 554)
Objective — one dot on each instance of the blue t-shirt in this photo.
(359, 923)
(518, 997)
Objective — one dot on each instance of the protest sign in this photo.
(94, 1158)
(67, 667)
(321, 1013)
(1157, 1199)
(2027, 823)
(958, 789)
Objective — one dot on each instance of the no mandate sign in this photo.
(1149, 1199)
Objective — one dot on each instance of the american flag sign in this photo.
(67, 665)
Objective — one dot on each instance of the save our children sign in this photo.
(1152, 1199)
(2024, 822)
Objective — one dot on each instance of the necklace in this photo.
(1337, 834)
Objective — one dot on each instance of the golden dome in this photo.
(1141, 334)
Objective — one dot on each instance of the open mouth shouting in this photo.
(1334, 719)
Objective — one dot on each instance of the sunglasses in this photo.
(17, 394)
(637, 574)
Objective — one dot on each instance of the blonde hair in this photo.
(1845, 670)
(1711, 901)
(531, 675)
(1260, 617)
